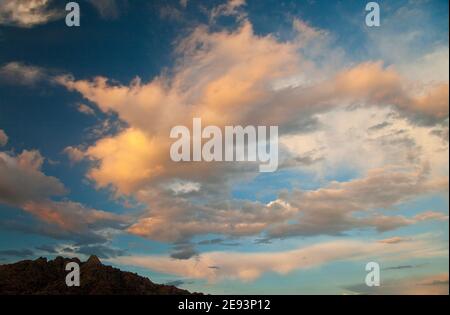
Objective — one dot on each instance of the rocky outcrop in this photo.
(43, 277)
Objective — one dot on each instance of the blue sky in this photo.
(85, 114)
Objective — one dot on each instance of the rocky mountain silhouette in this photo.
(47, 277)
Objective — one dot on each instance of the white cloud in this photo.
(431, 67)
(182, 187)
(415, 48)
(370, 138)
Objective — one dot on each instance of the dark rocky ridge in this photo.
(43, 277)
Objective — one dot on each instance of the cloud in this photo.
(181, 187)
(74, 154)
(230, 8)
(101, 251)
(431, 67)
(247, 266)
(415, 49)
(394, 240)
(104, 128)
(172, 14)
(73, 216)
(385, 126)
(22, 179)
(237, 77)
(420, 285)
(48, 249)
(437, 282)
(372, 138)
(331, 210)
(184, 3)
(401, 267)
(236, 70)
(127, 159)
(184, 251)
(21, 74)
(3, 138)
(177, 283)
(23, 185)
(108, 9)
(67, 220)
(17, 253)
(27, 13)
(83, 108)
(211, 241)
(371, 82)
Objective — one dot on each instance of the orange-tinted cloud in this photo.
(27, 13)
(435, 284)
(233, 78)
(22, 179)
(3, 138)
(23, 185)
(216, 266)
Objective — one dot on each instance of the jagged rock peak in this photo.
(39, 277)
(41, 260)
(93, 260)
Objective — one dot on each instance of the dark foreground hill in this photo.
(44, 277)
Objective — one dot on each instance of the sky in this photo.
(362, 112)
